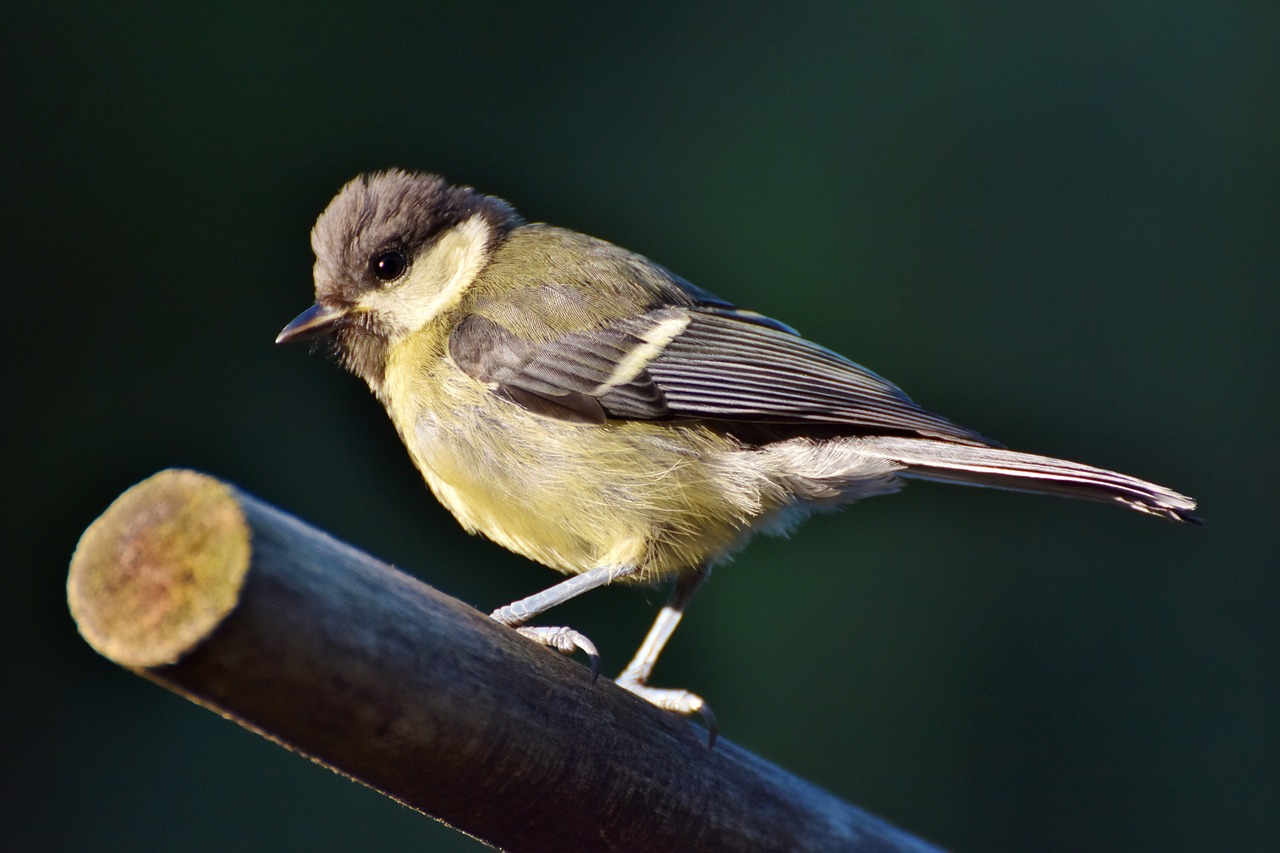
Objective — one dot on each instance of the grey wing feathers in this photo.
(565, 378)
(737, 368)
(712, 363)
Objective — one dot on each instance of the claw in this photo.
(565, 641)
(709, 720)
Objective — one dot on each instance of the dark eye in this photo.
(388, 265)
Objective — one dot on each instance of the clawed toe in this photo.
(566, 641)
(679, 701)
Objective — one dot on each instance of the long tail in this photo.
(928, 459)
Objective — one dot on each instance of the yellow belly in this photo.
(660, 496)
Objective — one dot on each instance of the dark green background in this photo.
(1057, 227)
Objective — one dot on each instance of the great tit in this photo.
(581, 405)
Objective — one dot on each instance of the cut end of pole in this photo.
(160, 569)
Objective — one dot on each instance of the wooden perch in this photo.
(323, 649)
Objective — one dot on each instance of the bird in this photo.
(585, 407)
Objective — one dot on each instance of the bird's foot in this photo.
(679, 701)
(566, 641)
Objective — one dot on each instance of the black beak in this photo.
(315, 322)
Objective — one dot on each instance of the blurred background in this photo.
(1056, 226)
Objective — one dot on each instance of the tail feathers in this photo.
(927, 459)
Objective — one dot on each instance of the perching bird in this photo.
(585, 407)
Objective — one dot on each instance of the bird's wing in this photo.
(709, 361)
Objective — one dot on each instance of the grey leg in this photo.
(635, 677)
(564, 640)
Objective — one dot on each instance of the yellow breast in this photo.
(573, 497)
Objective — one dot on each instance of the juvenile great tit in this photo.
(585, 407)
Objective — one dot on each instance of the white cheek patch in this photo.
(436, 281)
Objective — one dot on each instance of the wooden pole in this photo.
(319, 647)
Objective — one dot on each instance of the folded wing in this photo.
(709, 362)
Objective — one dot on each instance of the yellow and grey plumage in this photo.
(583, 406)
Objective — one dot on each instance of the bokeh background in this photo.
(1056, 225)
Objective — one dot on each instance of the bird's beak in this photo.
(316, 321)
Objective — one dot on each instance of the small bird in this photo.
(582, 406)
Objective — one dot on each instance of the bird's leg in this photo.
(635, 677)
(564, 640)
